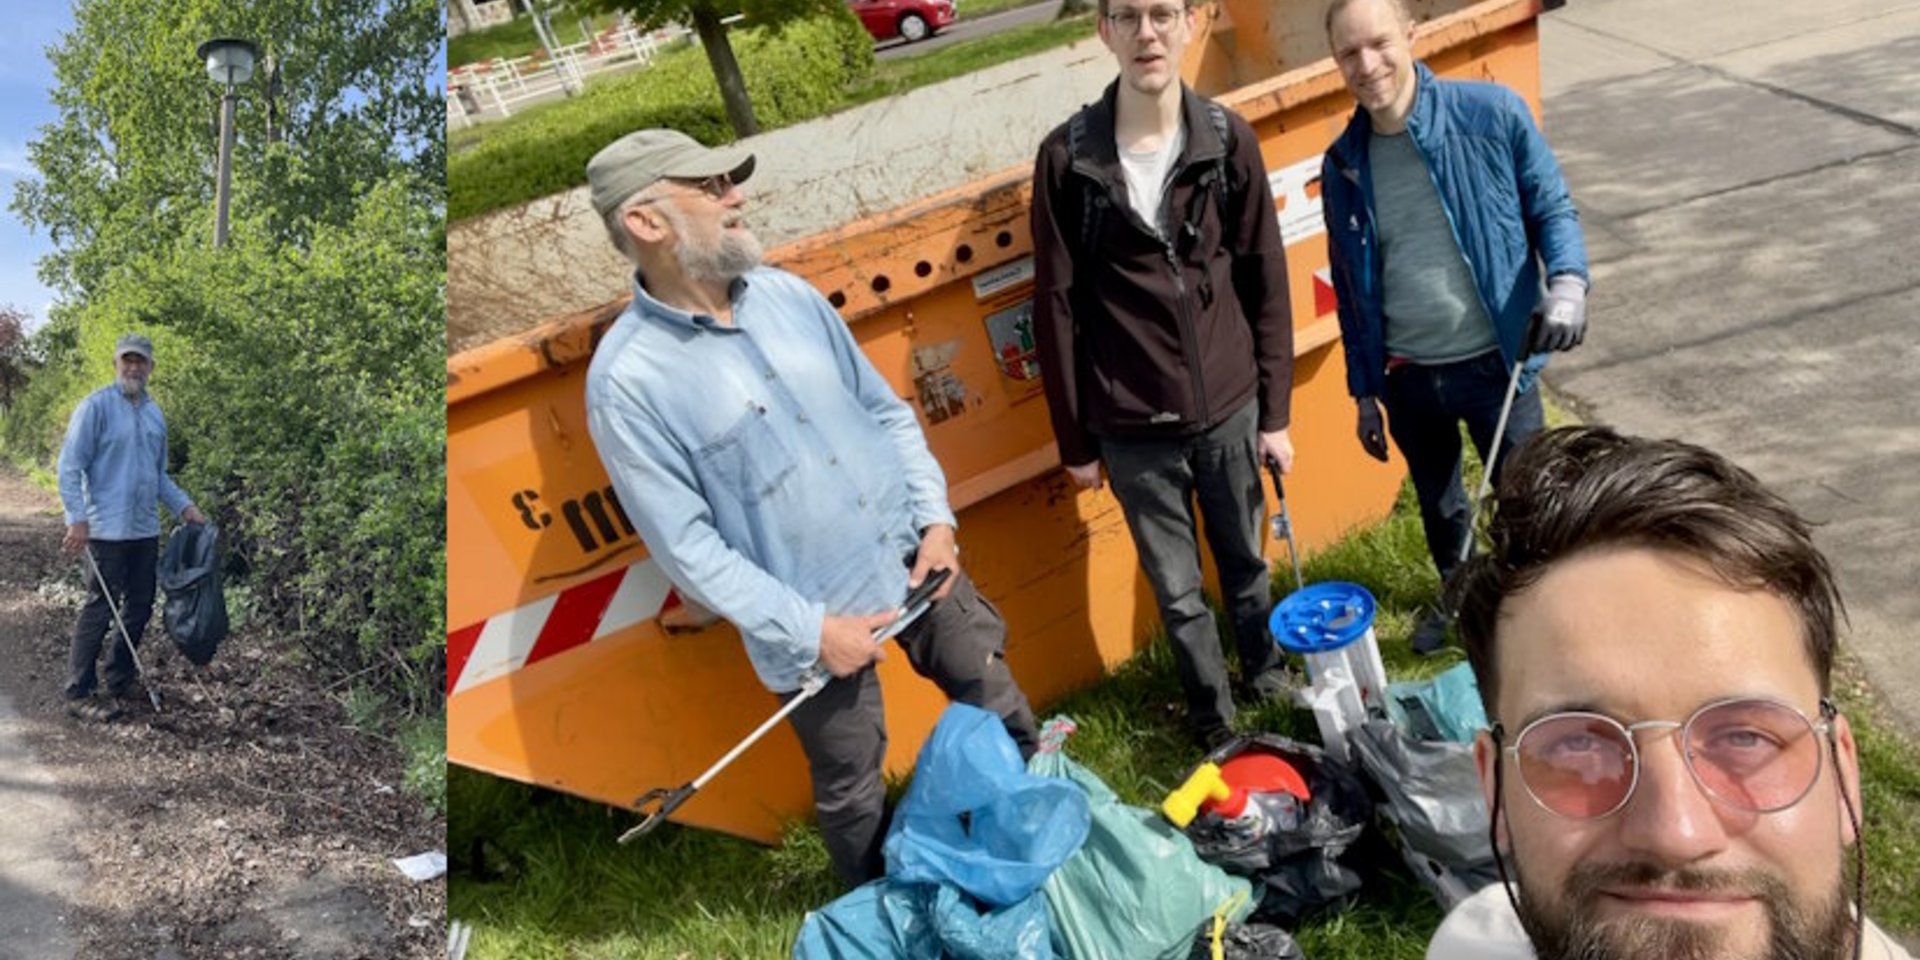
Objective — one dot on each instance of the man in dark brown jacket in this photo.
(1166, 337)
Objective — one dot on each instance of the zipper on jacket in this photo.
(1189, 337)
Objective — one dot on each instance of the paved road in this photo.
(968, 28)
(1749, 176)
(40, 875)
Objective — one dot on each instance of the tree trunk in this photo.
(726, 70)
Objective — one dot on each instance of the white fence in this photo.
(493, 89)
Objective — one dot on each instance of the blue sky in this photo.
(25, 79)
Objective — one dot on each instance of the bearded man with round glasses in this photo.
(1654, 633)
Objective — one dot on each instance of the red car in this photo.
(908, 19)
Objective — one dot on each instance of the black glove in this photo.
(1372, 430)
(1563, 315)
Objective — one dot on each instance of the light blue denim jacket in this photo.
(772, 472)
(113, 467)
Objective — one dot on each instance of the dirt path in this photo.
(246, 820)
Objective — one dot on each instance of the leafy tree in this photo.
(706, 16)
(13, 353)
(303, 365)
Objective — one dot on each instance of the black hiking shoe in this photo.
(1275, 683)
(95, 711)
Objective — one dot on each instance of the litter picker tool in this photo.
(153, 696)
(1499, 433)
(1283, 521)
(665, 801)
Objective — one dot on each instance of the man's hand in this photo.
(1086, 476)
(76, 538)
(937, 552)
(1372, 430)
(846, 643)
(192, 514)
(1563, 315)
(1276, 447)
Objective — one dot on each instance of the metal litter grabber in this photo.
(665, 801)
(1499, 433)
(1283, 522)
(153, 696)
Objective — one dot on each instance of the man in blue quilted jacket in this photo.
(1449, 227)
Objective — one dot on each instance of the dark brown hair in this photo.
(1583, 488)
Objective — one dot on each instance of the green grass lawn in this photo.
(549, 882)
(620, 102)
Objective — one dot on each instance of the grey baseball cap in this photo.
(133, 343)
(640, 159)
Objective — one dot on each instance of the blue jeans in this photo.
(1425, 406)
(1158, 482)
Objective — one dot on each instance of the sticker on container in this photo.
(1005, 277)
(941, 393)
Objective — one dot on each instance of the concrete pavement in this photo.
(1749, 175)
(40, 875)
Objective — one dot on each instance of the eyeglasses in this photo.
(1162, 18)
(716, 186)
(1755, 755)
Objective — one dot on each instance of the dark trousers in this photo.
(1158, 482)
(1425, 406)
(128, 568)
(959, 644)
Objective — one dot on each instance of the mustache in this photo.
(1589, 880)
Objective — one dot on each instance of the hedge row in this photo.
(794, 73)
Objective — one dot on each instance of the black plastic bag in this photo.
(196, 610)
(1251, 941)
(1432, 801)
(1303, 868)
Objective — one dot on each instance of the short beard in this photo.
(1824, 932)
(129, 387)
(724, 260)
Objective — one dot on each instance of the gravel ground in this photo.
(245, 819)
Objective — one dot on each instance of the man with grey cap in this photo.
(776, 476)
(113, 469)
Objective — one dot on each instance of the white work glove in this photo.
(1563, 315)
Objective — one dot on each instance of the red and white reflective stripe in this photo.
(1324, 299)
(554, 624)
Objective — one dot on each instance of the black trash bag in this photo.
(1248, 941)
(196, 610)
(1304, 867)
(1432, 800)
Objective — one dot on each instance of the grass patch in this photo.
(975, 9)
(1890, 796)
(892, 77)
(544, 149)
(423, 740)
(516, 38)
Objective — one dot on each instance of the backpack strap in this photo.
(1213, 182)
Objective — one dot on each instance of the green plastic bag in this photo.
(1135, 889)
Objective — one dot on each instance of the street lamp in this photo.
(229, 62)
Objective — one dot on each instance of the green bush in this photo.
(793, 73)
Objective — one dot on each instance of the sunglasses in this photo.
(716, 186)
(1753, 754)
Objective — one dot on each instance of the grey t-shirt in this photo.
(1433, 313)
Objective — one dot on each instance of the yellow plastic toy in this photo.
(1207, 785)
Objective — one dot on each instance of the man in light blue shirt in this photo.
(113, 472)
(775, 475)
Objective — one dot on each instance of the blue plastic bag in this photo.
(975, 818)
(1444, 708)
(889, 920)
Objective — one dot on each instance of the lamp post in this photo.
(229, 62)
